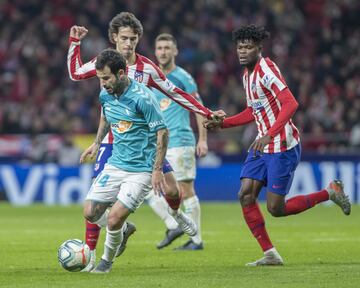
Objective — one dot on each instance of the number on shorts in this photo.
(101, 152)
(103, 180)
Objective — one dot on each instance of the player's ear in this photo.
(176, 51)
(114, 37)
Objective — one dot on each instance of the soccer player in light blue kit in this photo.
(182, 145)
(130, 110)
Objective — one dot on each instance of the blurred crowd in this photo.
(315, 43)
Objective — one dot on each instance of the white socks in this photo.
(160, 207)
(192, 209)
(112, 243)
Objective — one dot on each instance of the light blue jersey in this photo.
(134, 118)
(177, 118)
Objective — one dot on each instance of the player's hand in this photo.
(201, 148)
(158, 182)
(259, 144)
(91, 151)
(78, 32)
(218, 115)
(213, 124)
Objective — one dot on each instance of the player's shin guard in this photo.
(92, 234)
(301, 203)
(112, 243)
(255, 220)
(160, 207)
(192, 209)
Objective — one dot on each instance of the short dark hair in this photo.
(111, 58)
(166, 37)
(250, 32)
(124, 19)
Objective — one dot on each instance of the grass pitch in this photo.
(321, 248)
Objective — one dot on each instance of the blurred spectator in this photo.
(68, 154)
(317, 41)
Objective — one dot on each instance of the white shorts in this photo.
(112, 184)
(182, 160)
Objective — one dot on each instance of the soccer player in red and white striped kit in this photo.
(125, 30)
(275, 153)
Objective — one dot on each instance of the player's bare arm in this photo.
(93, 149)
(78, 32)
(158, 180)
(201, 147)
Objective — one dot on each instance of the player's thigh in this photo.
(281, 168)
(254, 168)
(103, 155)
(106, 185)
(182, 160)
(134, 188)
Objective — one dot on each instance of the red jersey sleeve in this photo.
(77, 70)
(159, 81)
(288, 108)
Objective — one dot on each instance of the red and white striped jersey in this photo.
(143, 71)
(262, 87)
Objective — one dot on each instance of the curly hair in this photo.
(124, 19)
(250, 32)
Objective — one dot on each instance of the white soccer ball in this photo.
(74, 255)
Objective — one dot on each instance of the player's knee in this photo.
(114, 222)
(246, 197)
(172, 191)
(275, 210)
(92, 218)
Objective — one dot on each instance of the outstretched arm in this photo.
(77, 70)
(159, 81)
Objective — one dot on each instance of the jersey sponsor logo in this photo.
(156, 123)
(122, 126)
(164, 103)
(139, 76)
(257, 104)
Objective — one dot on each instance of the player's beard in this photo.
(120, 85)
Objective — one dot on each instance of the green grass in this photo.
(320, 247)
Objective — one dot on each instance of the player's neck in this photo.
(131, 60)
(168, 68)
(251, 66)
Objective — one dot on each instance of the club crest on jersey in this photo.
(139, 76)
(164, 103)
(122, 126)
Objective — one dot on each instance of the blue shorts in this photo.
(104, 154)
(275, 170)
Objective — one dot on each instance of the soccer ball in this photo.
(74, 255)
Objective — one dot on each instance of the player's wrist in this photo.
(73, 39)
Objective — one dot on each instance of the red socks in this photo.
(92, 234)
(301, 203)
(256, 223)
(174, 203)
